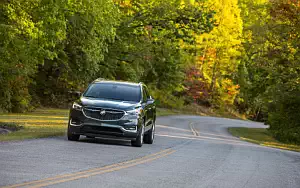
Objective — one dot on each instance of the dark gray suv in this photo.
(114, 109)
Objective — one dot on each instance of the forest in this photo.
(237, 54)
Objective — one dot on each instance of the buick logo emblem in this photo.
(102, 112)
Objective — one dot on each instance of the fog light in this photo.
(130, 128)
(75, 122)
(131, 122)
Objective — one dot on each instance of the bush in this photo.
(283, 117)
(10, 126)
(167, 100)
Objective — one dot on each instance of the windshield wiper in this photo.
(114, 99)
(103, 98)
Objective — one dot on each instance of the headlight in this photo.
(76, 106)
(133, 114)
(136, 112)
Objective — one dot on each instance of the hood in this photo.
(111, 104)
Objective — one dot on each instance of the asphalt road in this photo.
(188, 151)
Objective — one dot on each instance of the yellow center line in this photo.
(174, 128)
(192, 129)
(97, 170)
(103, 171)
(197, 133)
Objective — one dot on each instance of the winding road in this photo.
(188, 151)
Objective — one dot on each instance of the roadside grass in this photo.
(38, 124)
(166, 112)
(262, 137)
(194, 109)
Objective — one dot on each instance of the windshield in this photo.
(114, 91)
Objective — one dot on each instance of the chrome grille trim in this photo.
(110, 111)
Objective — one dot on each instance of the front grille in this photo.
(102, 129)
(103, 114)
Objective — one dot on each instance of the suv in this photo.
(114, 109)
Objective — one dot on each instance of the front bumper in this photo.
(80, 124)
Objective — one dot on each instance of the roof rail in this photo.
(99, 79)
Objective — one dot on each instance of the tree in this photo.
(217, 53)
(251, 75)
(272, 60)
(148, 42)
(47, 46)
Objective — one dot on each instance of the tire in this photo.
(140, 139)
(149, 138)
(73, 137)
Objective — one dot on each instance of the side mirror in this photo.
(150, 100)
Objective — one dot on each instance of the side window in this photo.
(147, 93)
(144, 94)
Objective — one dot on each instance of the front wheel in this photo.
(140, 139)
(149, 138)
(73, 137)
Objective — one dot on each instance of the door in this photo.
(148, 108)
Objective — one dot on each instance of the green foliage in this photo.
(49, 46)
(81, 53)
(217, 56)
(148, 45)
(283, 116)
(167, 99)
(272, 39)
(148, 40)
(19, 54)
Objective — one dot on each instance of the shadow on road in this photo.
(106, 141)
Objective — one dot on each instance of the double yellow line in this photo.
(194, 131)
(93, 172)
